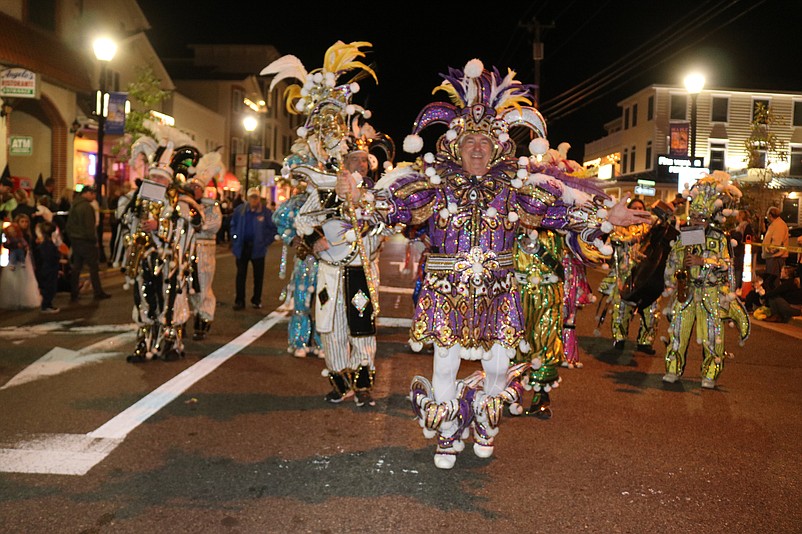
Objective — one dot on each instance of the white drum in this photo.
(340, 251)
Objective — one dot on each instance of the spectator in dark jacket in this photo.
(47, 258)
(82, 231)
(784, 299)
(252, 231)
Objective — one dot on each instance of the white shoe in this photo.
(707, 383)
(299, 353)
(670, 378)
(483, 451)
(445, 461)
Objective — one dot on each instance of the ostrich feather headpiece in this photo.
(713, 197)
(323, 98)
(481, 101)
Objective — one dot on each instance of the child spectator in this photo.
(17, 246)
(47, 258)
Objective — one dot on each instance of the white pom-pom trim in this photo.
(428, 158)
(413, 144)
(430, 171)
(503, 137)
(435, 180)
(523, 161)
(301, 131)
(451, 135)
(416, 346)
(512, 216)
(355, 87)
(606, 227)
(516, 183)
(492, 212)
(444, 214)
(539, 146)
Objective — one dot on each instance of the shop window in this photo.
(648, 155)
(626, 118)
(634, 115)
(650, 109)
(760, 108)
(624, 159)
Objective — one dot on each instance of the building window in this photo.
(758, 156)
(626, 118)
(634, 115)
(237, 100)
(760, 107)
(42, 13)
(796, 161)
(648, 161)
(797, 121)
(632, 160)
(650, 109)
(719, 111)
(718, 156)
(679, 107)
(624, 159)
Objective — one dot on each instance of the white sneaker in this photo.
(670, 378)
(707, 383)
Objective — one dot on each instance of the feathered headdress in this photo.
(326, 104)
(483, 102)
(209, 166)
(713, 197)
(365, 138)
(162, 157)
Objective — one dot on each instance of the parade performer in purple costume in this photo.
(473, 194)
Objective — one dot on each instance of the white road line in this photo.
(394, 322)
(125, 422)
(76, 454)
(59, 360)
(398, 290)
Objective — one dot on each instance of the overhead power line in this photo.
(592, 89)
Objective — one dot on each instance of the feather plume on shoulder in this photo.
(390, 178)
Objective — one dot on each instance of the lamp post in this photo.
(249, 123)
(694, 83)
(104, 49)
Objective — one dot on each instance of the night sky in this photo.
(610, 49)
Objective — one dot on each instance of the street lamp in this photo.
(249, 123)
(105, 49)
(694, 83)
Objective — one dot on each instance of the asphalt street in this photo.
(236, 436)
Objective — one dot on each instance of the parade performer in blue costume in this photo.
(303, 338)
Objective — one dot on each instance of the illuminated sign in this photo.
(681, 170)
(20, 145)
(19, 83)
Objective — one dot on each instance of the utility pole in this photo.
(536, 28)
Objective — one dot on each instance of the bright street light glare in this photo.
(104, 48)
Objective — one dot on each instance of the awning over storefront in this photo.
(38, 51)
